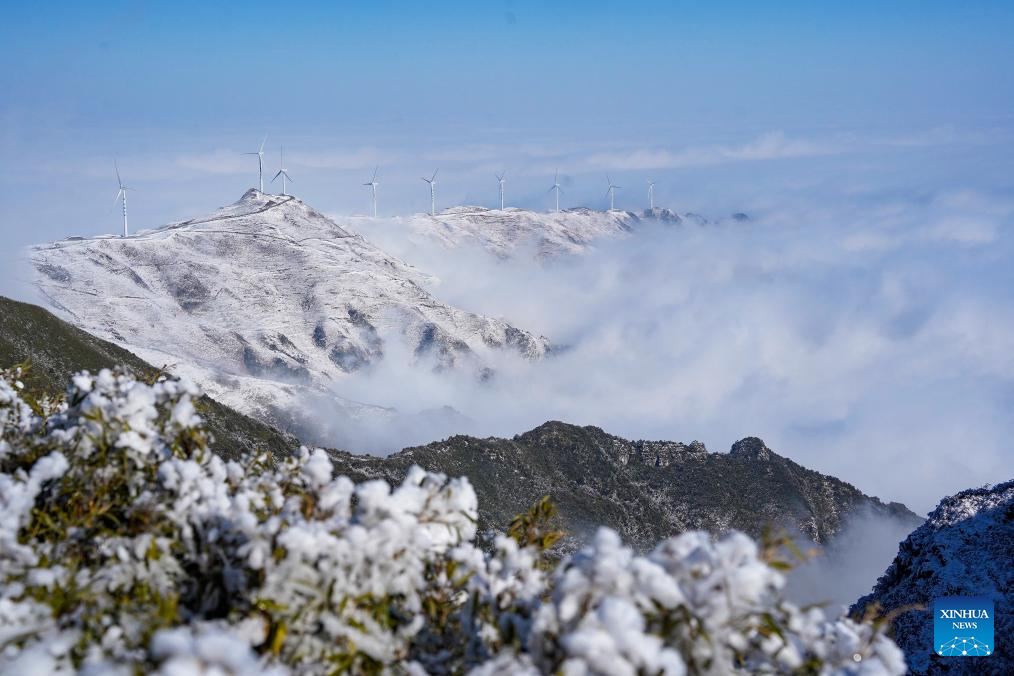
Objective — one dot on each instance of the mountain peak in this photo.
(964, 548)
(267, 303)
(752, 448)
(646, 490)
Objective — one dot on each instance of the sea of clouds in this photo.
(860, 322)
(867, 335)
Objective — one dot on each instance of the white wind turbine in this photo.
(281, 169)
(373, 185)
(556, 187)
(612, 192)
(121, 194)
(260, 163)
(433, 192)
(500, 178)
(651, 195)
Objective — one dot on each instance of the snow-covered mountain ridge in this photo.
(965, 548)
(509, 232)
(263, 302)
(502, 232)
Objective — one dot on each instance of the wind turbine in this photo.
(502, 180)
(260, 163)
(373, 184)
(121, 194)
(556, 187)
(651, 195)
(611, 192)
(433, 192)
(281, 169)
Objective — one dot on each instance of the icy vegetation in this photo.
(965, 548)
(267, 304)
(128, 546)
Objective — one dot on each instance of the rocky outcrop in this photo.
(965, 548)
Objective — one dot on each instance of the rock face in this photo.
(265, 303)
(965, 548)
(646, 490)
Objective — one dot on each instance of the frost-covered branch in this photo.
(127, 545)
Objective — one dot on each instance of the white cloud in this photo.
(871, 363)
(769, 146)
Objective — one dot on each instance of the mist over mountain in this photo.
(867, 333)
(859, 333)
(679, 274)
(646, 490)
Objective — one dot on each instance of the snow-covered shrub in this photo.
(126, 545)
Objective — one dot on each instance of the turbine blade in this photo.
(117, 167)
(280, 172)
(375, 170)
(261, 151)
(435, 175)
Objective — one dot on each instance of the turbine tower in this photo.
(373, 185)
(612, 192)
(651, 195)
(121, 194)
(500, 178)
(556, 187)
(281, 169)
(260, 163)
(433, 192)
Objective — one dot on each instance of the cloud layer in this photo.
(868, 336)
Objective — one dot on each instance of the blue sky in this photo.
(175, 91)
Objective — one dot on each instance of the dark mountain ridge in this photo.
(646, 490)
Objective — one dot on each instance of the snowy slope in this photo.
(965, 548)
(548, 234)
(264, 301)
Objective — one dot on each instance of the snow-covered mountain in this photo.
(266, 302)
(965, 548)
(547, 234)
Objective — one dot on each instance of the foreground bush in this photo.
(127, 546)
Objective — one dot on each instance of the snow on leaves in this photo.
(126, 545)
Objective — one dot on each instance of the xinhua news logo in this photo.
(963, 626)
